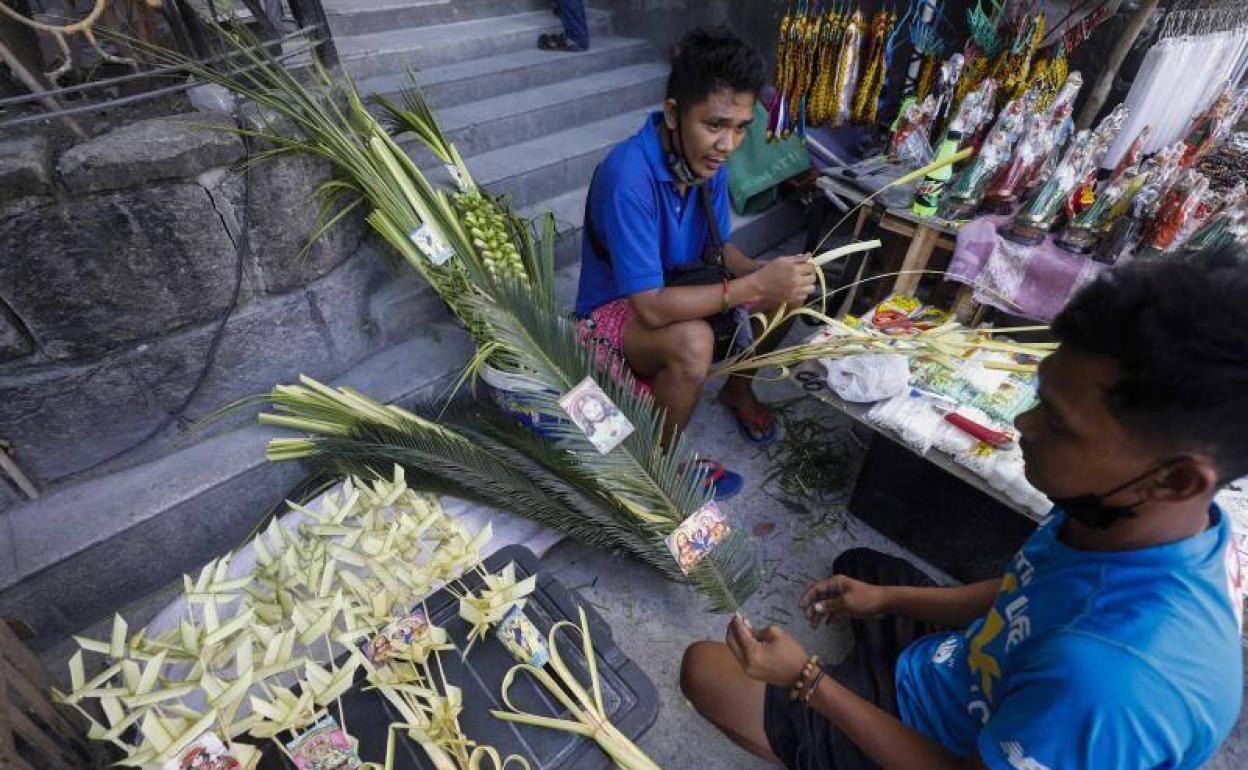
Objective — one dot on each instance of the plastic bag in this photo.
(869, 377)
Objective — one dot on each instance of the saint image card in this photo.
(522, 639)
(396, 637)
(324, 746)
(594, 413)
(697, 536)
(206, 752)
(431, 244)
(457, 175)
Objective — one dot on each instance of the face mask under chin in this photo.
(676, 162)
(1092, 511)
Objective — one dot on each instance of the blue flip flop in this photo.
(724, 482)
(749, 421)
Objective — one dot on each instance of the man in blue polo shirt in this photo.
(1113, 639)
(647, 221)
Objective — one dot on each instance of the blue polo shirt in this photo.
(1122, 660)
(646, 224)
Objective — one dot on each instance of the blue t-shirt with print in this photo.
(646, 224)
(1119, 660)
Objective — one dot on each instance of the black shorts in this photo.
(800, 736)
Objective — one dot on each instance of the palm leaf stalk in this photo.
(476, 452)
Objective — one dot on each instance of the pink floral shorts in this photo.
(604, 330)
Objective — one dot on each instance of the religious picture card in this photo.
(522, 639)
(431, 244)
(206, 752)
(396, 637)
(697, 536)
(597, 417)
(324, 746)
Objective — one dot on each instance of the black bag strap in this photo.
(708, 210)
(712, 224)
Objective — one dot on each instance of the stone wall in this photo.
(119, 258)
(663, 22)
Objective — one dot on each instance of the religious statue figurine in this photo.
(946, 85)
(1061, 114)
(1226, 226)
(1036, 217)
(1126, 231)
(1036, 141)
(1132, 156)
(1083, 196)
(965, 194)
(975, 109)
(1176, 210)
(911, 145)
(1087, 227)
(1206, 127)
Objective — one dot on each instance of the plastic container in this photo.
(630, 697)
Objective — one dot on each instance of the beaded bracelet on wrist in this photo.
(811, 672)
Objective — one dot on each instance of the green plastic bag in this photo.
(757, 167)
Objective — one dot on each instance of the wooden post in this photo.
(917, 257)
(1117, 54)
(34, 732)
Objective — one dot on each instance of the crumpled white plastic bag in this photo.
(869, 377)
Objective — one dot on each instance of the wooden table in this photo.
(925, 234)
(942, 460)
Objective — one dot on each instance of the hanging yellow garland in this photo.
(867, 99)
(821, 91)
(927, 78)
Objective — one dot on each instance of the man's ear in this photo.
(669, 113)
(1187, 478)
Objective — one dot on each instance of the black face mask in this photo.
(1092, 511)
(676, 162)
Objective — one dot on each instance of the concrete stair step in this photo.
(71, 556)
(361, 17)
(546, 167)
(477, 79)
(391, 51)
(491, 124)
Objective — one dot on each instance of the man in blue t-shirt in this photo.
(647, 220)
(1112, 641)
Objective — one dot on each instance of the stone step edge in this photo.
(457, 32)
(190, 472)
(445, 74)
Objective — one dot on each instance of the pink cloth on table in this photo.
(1038, 279)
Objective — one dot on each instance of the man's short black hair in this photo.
(707, 60)
(1177, 326)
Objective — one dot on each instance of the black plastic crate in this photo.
(629, 696)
